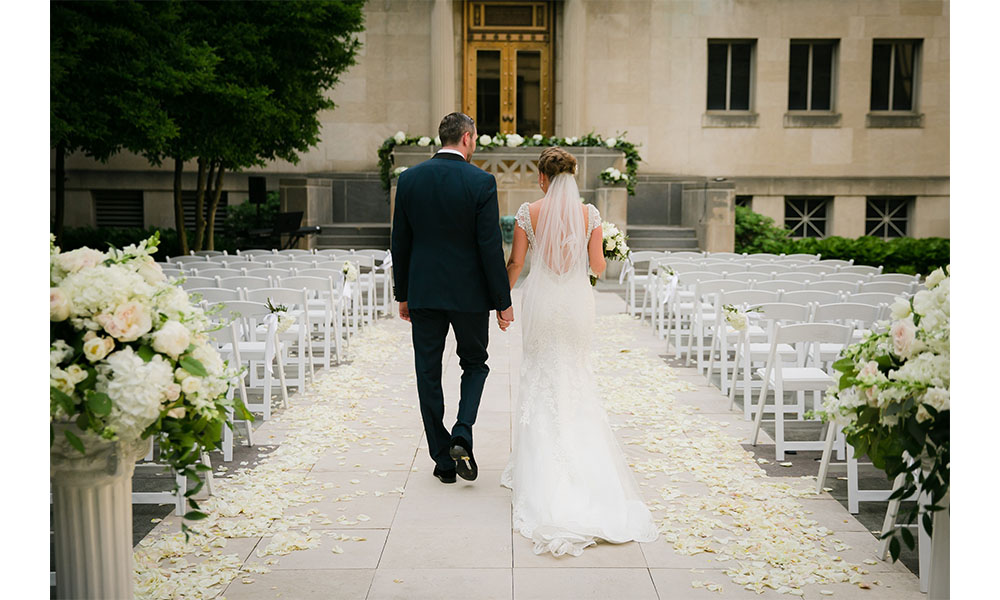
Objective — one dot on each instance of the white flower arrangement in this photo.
(737, 317)
(350, 271)
(424, 141)
(400, 137)
(398, 171)
(612, 175)
(130, 356)
(893, 396)
(285, 321)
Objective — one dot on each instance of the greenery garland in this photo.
(513, 140)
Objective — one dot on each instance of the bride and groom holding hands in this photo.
(571, 484)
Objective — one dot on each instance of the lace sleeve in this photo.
(593, 219)
(523, 219)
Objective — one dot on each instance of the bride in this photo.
(570, 482)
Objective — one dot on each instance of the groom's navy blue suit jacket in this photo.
(447, 251)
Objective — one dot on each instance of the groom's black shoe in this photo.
(465, 462)
(445, 475)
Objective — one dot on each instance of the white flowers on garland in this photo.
(130, 356)
(612, 175)
(894, 399)
(737, 316)
(350, 271)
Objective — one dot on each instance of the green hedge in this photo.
(98, 238)
(757, 233)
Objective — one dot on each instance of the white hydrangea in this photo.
(936, 277)
(137, 389)
(485, 140)
(74, 261)
(437, 140)
(538, 137)
(103, 289)
(498, 140)
(398, 171)
(424, 141)
(610, 142)
(58, 352)
(514, 140)
(400, 137)
(926, 369)
(172, 339)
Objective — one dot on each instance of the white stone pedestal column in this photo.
(92, 517)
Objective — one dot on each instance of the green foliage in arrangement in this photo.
(757, 233)
(513, 140)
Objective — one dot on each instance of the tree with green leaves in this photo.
(270, 65)
(112, 65)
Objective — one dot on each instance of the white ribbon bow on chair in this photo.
(670, 288)
(270, 342)
(386, 262)
(349, 292)
(628, 268)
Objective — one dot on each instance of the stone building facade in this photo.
(832, 116)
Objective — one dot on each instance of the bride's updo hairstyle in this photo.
(555, 161)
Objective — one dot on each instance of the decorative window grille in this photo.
(887, 216)
(730, 72)
(118, 208)
(806, 216)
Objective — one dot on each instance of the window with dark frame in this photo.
(806, 216)
(730, 68)
(742, 200)
(894, 67)
(811, 74)
(119, 208)
(887, 216)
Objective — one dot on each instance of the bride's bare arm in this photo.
(517, 253)
(595, 248)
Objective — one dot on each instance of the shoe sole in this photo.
(463, 464)
(443, 480)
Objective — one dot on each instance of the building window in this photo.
(887, 217)
(894, 74)
(730, 70)
(744, 201)
(810, 75)
(119, 208)
(189, 198)
(806, 217)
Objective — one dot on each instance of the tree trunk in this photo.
(60, 216)
(179, 207)
(199, 206)
(214, 206)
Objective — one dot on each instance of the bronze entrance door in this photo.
(507, 71)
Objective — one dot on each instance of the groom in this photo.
(448, 270)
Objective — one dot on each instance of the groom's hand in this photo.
(507, 314)
(404, 311)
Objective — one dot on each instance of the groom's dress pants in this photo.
(430, 330)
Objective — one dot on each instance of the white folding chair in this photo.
(839, 287)
(747, 277)
(341, 303)
(780, 285)
(216, 272)
(636, 274)
(895, 277)
(682, 305)
(751, 349)
(816, 269)
(244, 282)
(861, 269)
(298, 307)
(253, 349)
(705, 321)
(797, 378)
(811, 297)
(213, 294)
(804, 257)
(726, 337)
(295, 252)
(889, 287)
(724, 255)
(859, 317)
(320, 294)
(686, 254)
(257, 265)
(835, 262)
(768, 256)
(183, 260)
(191, 282)
(255, 252)
(208, 253)
(227, 340)
(383, 279)
(800, 277)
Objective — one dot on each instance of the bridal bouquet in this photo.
(894, 398)
(615, 247)
(130, 358)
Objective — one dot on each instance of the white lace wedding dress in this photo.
(570, 481)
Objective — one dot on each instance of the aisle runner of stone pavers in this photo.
(345, 505)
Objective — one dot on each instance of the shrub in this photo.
(99, 238)
(757, 233)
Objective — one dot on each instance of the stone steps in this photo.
(353, 235)
(661, 237)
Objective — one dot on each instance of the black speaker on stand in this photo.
(258, 193)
